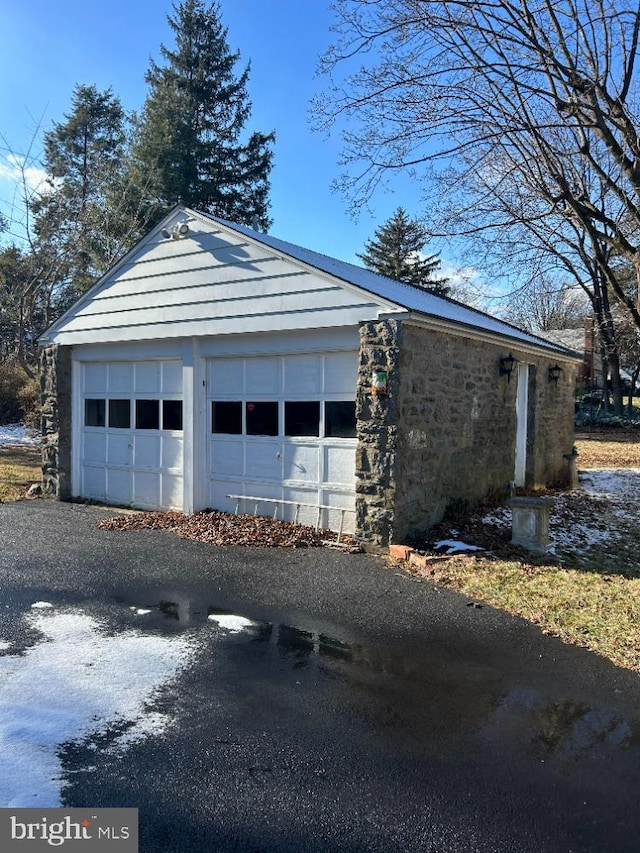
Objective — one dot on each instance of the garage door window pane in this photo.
(147, 414)
(262, 418)
(119, 414)
(94, 413)
(340, 419)
(227, 417)
(172, 414)
(302, 417)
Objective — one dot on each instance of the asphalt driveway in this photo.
(325, 702)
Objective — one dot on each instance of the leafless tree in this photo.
(545, 306)
(537, 97)
(35, 280)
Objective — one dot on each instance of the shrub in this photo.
(19, 396)
(587, 416)
(29, 401)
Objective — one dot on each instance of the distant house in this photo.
(215, 360)
(583, 341)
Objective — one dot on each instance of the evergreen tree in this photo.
(395, 253)
(189, 141)
(83, 159)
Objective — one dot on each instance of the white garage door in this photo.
(130, 433)
(284, 427)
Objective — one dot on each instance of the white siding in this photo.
(211, 282)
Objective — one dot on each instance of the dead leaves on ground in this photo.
(220, 528)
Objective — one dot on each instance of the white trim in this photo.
(199, 436)
(76, 419)
(189, 394)
(333, 339)
(154, 350)
(450, 327)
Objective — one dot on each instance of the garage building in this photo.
(219, 367)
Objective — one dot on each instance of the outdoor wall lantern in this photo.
(506, 366)
(554, 373)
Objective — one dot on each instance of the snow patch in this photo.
(77, 683)
(18, 434)
(454, 547)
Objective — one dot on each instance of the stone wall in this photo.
(55, 389)
(444, 434)
(377, 419)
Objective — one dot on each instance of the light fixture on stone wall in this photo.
(554, 373)
(506, 366)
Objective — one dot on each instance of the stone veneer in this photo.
(377, 424)
(444, 434)
(55, 394)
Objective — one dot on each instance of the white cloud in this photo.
(15, 170)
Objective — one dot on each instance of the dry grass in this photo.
(590, 599)
(19, 468)
(600, 612)
(608, 449)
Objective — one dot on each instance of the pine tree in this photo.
(83, 158)
(396, 253)
(190, 143)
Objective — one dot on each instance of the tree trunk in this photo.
(616, 384)
(632, 388)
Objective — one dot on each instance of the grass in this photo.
(600, 612)
(590, 604)
(608, 449)
(19, 468)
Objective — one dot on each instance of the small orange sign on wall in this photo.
(379, 382)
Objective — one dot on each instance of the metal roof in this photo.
(412, 299)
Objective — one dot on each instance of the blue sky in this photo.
(49, 46)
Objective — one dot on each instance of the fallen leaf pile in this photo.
(220, 528)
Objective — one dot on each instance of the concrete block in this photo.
(530, 524)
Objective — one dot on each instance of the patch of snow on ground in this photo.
(17, 434)
(78, 682)
(575, 536)
(608, 499)
(499, 516)
(622, 484)
(453, 546)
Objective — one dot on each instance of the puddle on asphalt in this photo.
(300, 645)
(558, 728)
(543, 726)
